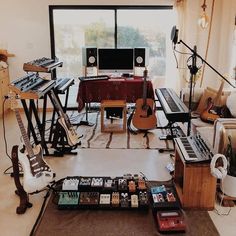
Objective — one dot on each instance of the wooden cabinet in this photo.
(195, 185)
(4, 81)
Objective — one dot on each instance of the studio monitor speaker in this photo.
(89, 56)
(141, 57)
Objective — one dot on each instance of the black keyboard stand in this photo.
(167, 137)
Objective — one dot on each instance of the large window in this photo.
(73, 27)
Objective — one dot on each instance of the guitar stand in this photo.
(24, 198)
(59, 138)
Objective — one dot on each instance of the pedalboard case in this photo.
(127, 192)
(164, 197)
(166, 209)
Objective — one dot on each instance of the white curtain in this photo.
(179, 66)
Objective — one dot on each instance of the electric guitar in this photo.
(37, 173)
(214, 109)
(64, 121)
(144, 116)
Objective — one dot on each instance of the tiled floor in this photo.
(88, 162)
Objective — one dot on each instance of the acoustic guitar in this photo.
(214, 108)
(144, 116)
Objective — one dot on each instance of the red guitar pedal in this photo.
(170, 221)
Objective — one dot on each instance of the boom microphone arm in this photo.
(197, 55)
(193, 69)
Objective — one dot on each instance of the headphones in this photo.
(221, 171)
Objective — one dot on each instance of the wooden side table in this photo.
(113, 127)
(195, 185)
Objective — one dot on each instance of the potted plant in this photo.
(228, 184)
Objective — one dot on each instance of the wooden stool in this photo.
(112, 127)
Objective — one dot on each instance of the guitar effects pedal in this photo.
(105, 200)
(70, 184)
(97, 182)
(115, 199)
(124, 200)
(68, 200)
(134, 201)
(170, 221)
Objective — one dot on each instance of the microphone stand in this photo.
(193, 71)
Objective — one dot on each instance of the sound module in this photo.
(42, 65)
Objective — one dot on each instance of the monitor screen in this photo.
(113, 60)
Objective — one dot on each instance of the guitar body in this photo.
(211, 113)
(71, 134)
(35, 182)
(144, 117)
(214, 108)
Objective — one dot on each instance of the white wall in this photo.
(25, 30)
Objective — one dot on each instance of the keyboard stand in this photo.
(167, 137)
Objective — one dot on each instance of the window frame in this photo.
(98, 7)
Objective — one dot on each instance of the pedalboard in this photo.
(127, 192)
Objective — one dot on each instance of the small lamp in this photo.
(203, 21)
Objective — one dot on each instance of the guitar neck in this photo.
(145, 87)
(58, 105)
(217, 100)
(24, 134)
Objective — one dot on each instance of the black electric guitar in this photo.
(144, 116)
(37, 173)
(64, 121)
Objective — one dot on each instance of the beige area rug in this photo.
(94, 138)
(115, 222)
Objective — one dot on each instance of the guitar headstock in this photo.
(145, 73)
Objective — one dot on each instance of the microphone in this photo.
(174, 35)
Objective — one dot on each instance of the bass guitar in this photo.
(144, 116)
(64, 121)
(37, 173)
(214, 108)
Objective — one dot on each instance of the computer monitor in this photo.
(115, 60)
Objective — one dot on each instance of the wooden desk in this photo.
(128, 89)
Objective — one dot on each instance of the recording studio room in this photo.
(118, 117)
